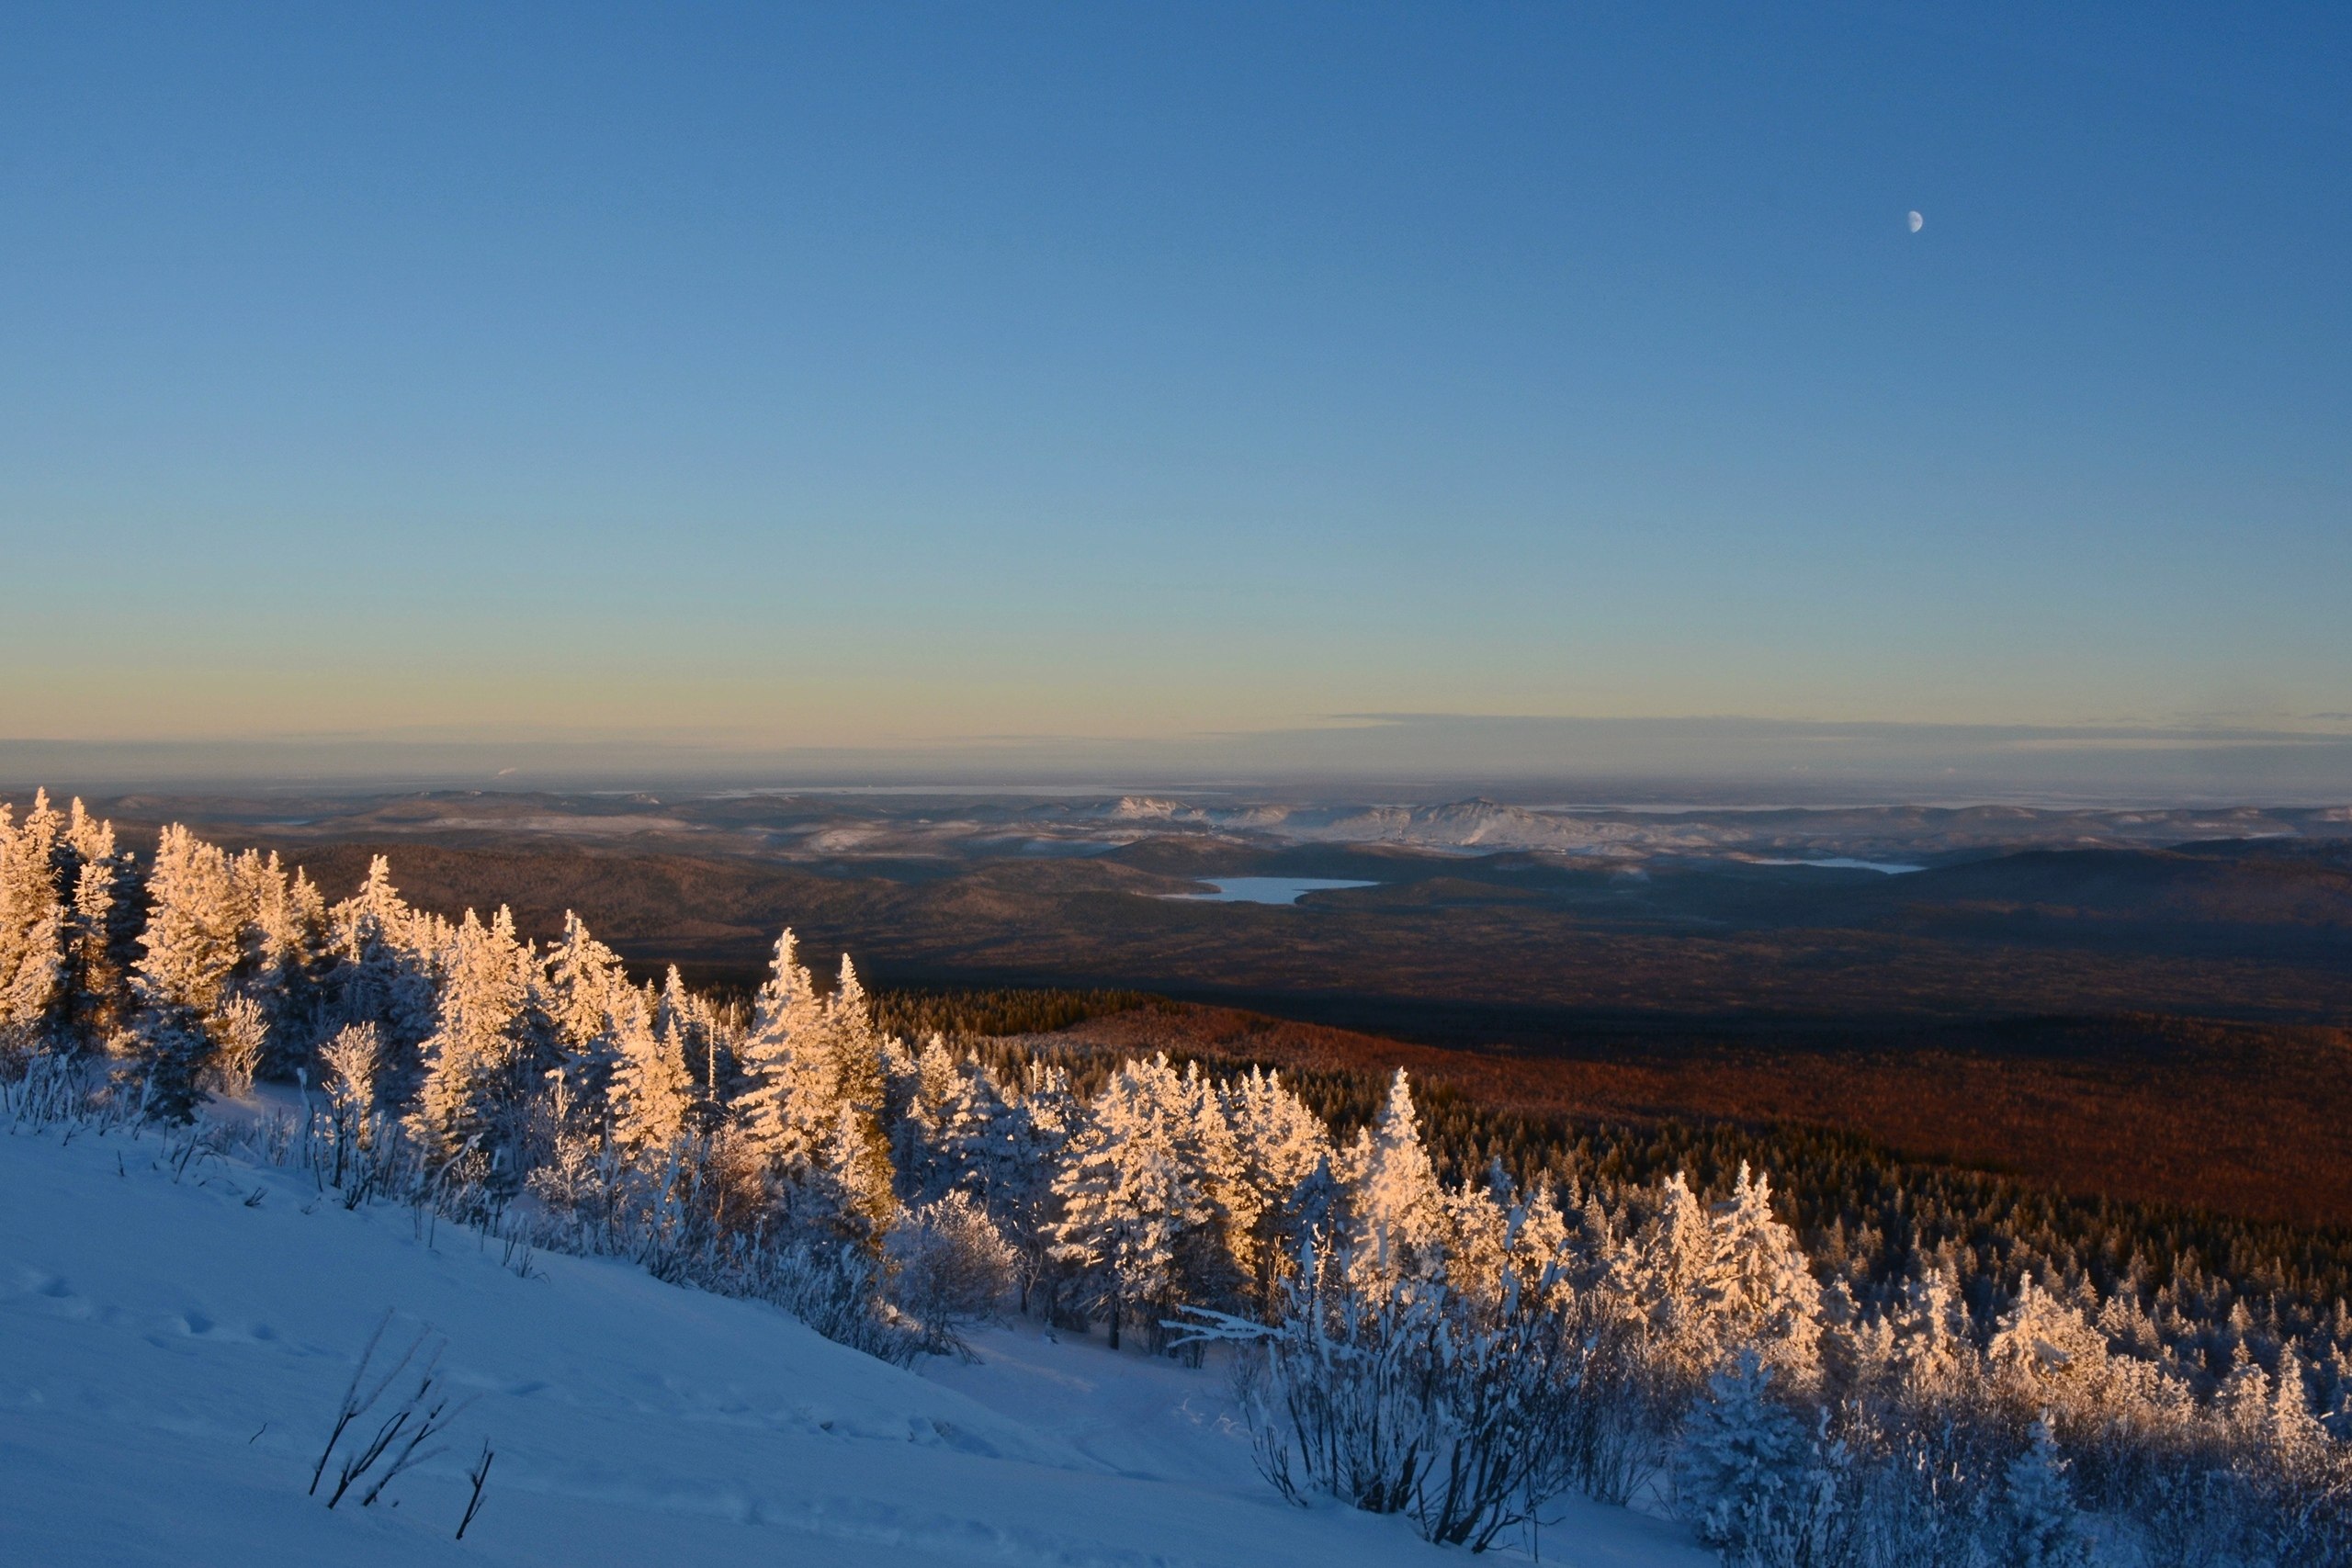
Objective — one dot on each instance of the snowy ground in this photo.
(171, 1353)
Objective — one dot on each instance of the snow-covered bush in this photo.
(241, 1043)
(949, 1267)
(1399, 1395)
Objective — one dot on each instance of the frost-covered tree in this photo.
(195, 926)
(32, 928)
(192, 942)
(1477, 1240)
(348, 1064)
(934, 1093)
(384, 970)
(850, 1073)
(1753, 1480)
(1659, 1275)
(1537, 1246)
(811, 1119)
(1398, 1210)
(102, 926)
(478, 1065)
(858, 1191)
(1127, 1197)
(791, 1102)
(65, 929)
(2046, 1358)
(587, 993)
(2040, 1527)
(2299, 1475)
(687, 1020)
(651, 1095)
(1283, 1144)
(1218, 1261)
(1022, 1149)
(1757, 1285)
(282, 942)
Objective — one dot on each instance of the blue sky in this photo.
(891, 376)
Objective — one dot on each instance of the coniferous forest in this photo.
(1812, 1352)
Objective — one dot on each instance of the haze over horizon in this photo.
(1157, 393)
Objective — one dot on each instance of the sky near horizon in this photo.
(885, 376)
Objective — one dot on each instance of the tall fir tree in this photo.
(2039, 1526)
(192, 942)
(789, 1106)
(477, 1061)
(859, 1152)
(1758, 1285)
(651, 1096)
(1218, 1262)
(588, 1004)
(103, 927)
(32, 928)
(384, 970)
(1399, 1212)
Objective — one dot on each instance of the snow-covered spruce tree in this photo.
(2303, 1474)
(192, 942)
(103, 924)
(1283, 1144)
(195, 925)
(1477, 1238)
(1026, 1143)
(2038, 1525)
(1758, 1288)
(1128, 1198)
(384, 970)
(66, 931)
(2046, 1360)
(32, 931)
(857, 1155)
(1754, 1479)
(588, 994)
(1536, 1242)
(791, 1101)
(957, 1129)
(1216, 1261)
(1930, 1449)
(922, 1134)
(651, 1097)
(478, 1065)
(693, 1026)
(1398, 1210)
(282, 949)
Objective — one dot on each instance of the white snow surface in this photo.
(171, 1354)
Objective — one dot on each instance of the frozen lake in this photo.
(1263, 889)
(1845, 862)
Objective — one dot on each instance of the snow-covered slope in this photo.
(171, 1352)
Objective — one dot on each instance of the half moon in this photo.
(1917, 222)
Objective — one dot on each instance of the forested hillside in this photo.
(1948, 1373)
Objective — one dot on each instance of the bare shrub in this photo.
(240, 1033)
